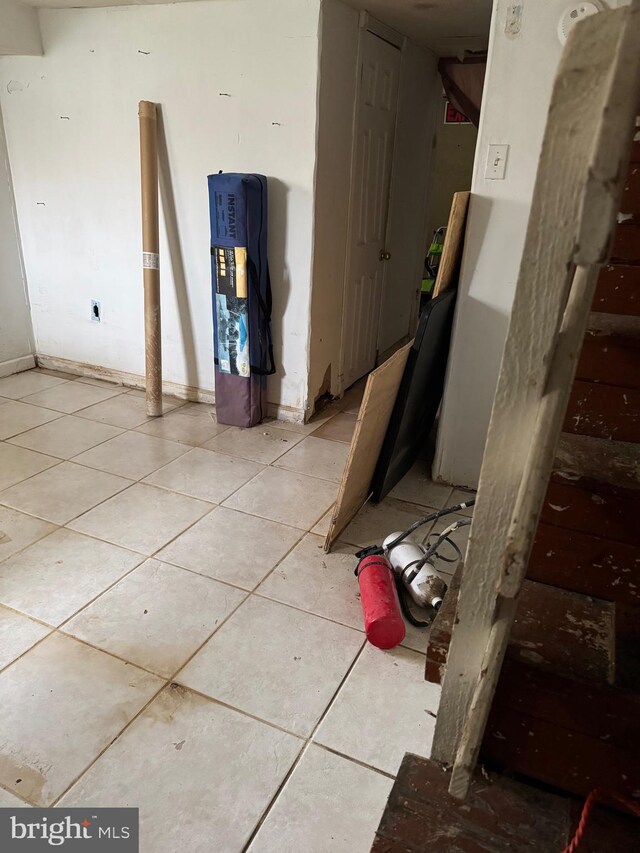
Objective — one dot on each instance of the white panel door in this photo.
(370, 183)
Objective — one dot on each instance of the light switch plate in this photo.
(496, 162)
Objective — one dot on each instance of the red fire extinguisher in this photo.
(383, 622)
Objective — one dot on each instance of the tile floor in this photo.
(167, 613)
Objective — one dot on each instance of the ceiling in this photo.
(447, 27)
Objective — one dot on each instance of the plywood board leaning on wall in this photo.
(371, 427)
(453, 244)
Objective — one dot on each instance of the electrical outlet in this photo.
(96, 311)
(496, 162)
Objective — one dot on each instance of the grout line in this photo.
(8, 438)
(57, 799)
(267, 810)
(257, 461)
(35, 541)
(354, 760)
(221, 703)
(307, 744)
(52, 630)
(62, 524)
(70, 458)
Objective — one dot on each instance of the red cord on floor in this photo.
(592, 799)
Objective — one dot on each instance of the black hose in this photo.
(402, 597)
(434, 516)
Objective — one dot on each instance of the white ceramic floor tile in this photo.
(17, 417)
(304, 429)
(375, 522)
(320, 583)
(417, 487)
(10, 801)
(142, 518)
(168, 403)
(322, 527)
(156, 617)
(286, 497)
(18, 530)
(232, 546)
(58, 575)
(213, 771)
(352, 398)
(132, 455)
(17, 634)
(339, 428)
(101, 383)
(29, 382)
(328, 804)
(193, 424)
(317, 457)
(17, 464)
(66, 437)
(62, 493)
(417, 638)
(70, 396)
(62, 704)
(364, 724)
(261, 443)
(274, 662)
(60, 374)
(205, 475)
(124, 411)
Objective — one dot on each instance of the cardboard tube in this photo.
(150, 256)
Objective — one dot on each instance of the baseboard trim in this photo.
(17, 365)
(136, 380)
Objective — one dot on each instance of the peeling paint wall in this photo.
(237, 87)
(16, 336)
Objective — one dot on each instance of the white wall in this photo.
(516, 99)
(416, 118)
(72, 134)
(16, 336)
(453, 167)
(19, 29)
(407, 231)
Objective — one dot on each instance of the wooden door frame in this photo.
(367, 24)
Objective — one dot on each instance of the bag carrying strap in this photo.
(265, 308)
